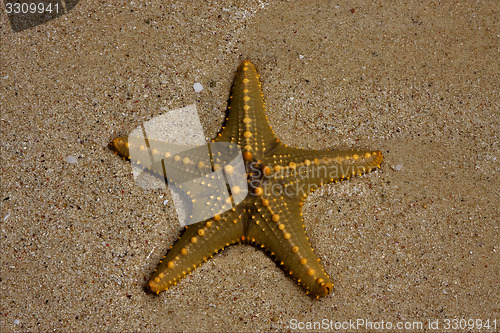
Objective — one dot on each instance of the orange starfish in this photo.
(279, 179)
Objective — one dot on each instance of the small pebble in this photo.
(197, 87)
(16, 321)
(71, 159)
(398, 167)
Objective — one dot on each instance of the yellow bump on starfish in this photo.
(236, 190)
(247, 156)
(258, 191)
(229, 169)
(255, 219)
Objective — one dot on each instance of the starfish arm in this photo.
(147, 148)
(301, 171)
(183, 162)
(276, 225)
(247, 124)
(196, 245)
(190, 171)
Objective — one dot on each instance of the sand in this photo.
(416, 241)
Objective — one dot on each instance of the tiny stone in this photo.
(398, 167)
(71, 159)
(16, 321)
(197, 87)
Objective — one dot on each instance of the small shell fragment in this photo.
(197, 87)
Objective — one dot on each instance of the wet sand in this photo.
(415, 241)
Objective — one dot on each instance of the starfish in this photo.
(279, 179)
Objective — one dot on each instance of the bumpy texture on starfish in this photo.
(279, 179)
